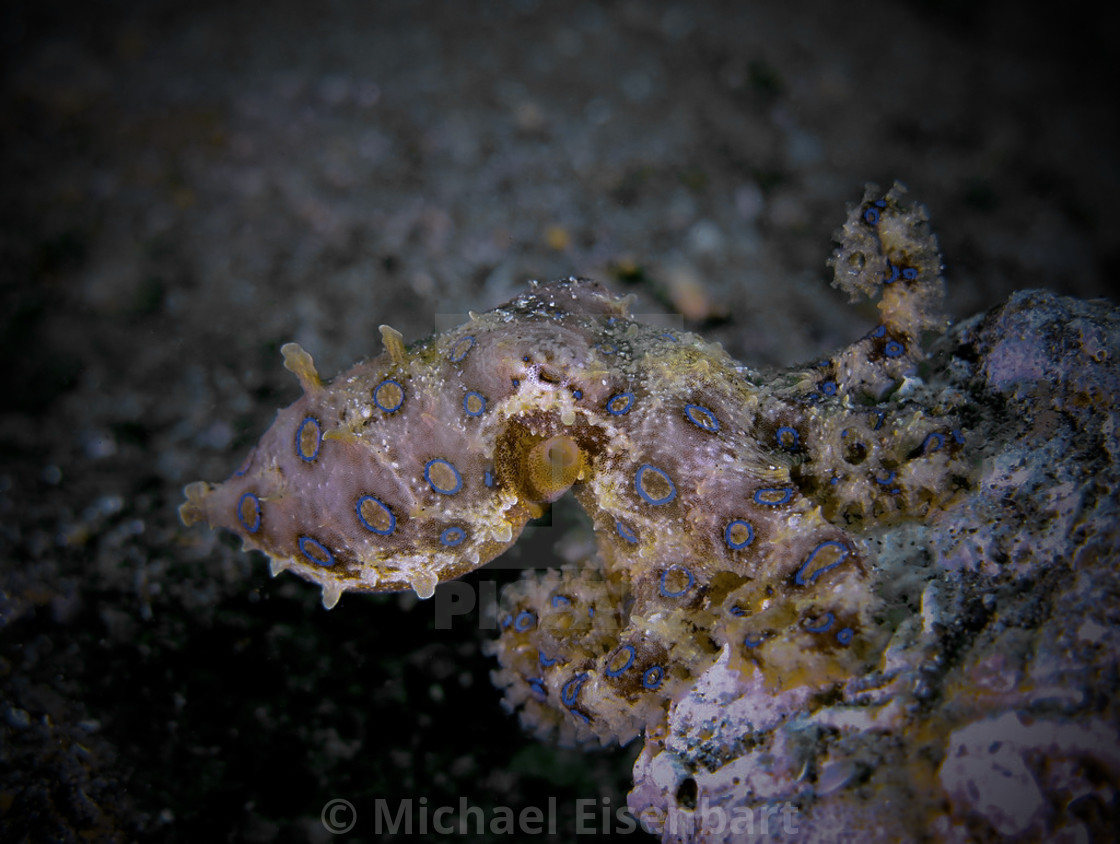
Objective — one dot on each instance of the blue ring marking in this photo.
(625, 532)
(823, 625)
(526, 620)
(615, 672)
(936, 439)
(800, 578)
(607, 348)
(305, 541)
(458, 352)
(789, 445)
(665, 593)
(666, 335)
(544, 660)
(245, 466)
(910, 273)
(886, 480)
(871, 216)
(482, 406)
(732, 544)
(318, 439)
(577, 394)
(561, 601)
(737, 611)
(428, 477)
(894, 349)
(645, 467)
(880, 416)
(629, 403)
(845, 636)
(570, 691)
(392, 519)
(958, 437)
(537, 685)
(377, 390)
(879, 331)
(488, 478)
(747, 640)
(657, 673)
(892, 277)
(453, 536)
(256, 525)
(707, 420)
(828, 388)
(786, 492)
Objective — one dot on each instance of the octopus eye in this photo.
(553, 465)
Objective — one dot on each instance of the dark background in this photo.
(188, 185)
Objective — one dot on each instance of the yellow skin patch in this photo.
(728, 506)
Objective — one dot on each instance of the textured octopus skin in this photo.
(729, 506)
